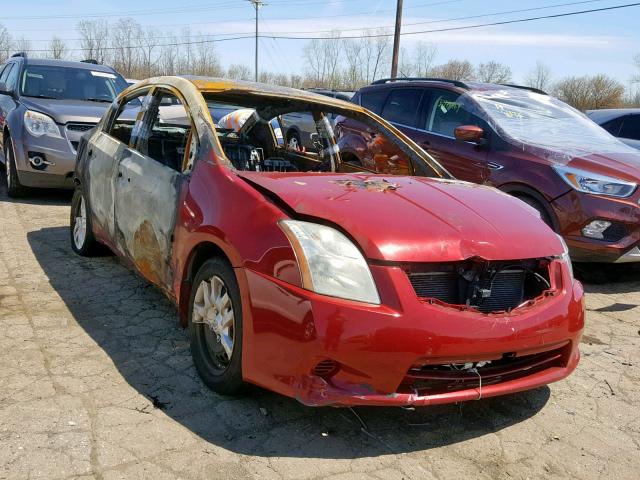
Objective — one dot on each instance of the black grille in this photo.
(615, 232)
(80, 127)
(491, 291)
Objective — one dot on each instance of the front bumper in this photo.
(575, 210)
(289, 331)
(57, 152)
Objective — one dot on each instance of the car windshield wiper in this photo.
(101, 100)
(43, 96)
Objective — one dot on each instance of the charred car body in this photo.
(331, 287)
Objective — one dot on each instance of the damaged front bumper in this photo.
(326, 351)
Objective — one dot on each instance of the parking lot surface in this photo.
(96, 381)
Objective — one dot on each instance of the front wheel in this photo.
(82, 240)
(544, 213)
(215, 327)
(14, 187)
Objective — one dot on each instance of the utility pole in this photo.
(396, 41)
(257, 4)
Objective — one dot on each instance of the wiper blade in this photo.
(100, 100)
(42, 96)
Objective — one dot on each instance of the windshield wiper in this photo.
(100, 100)
(42, 96)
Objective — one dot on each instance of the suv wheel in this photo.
(544, 213)
(82, 240)
(14, 188)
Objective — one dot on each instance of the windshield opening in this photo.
(68, 83)
(266, 134)
(534, 119)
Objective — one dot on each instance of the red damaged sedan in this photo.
(303, 272)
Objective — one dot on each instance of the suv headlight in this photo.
(588, 182)
(38, 124)
(564, 256)
(330, 263)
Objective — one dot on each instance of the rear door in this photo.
(148, 184)
(438, 120)
(630, 127)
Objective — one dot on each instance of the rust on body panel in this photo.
(146, 251)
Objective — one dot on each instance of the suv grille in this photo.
(487, 286)
(80, 127)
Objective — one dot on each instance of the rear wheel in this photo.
(215, 327)
(82, 240)
(14, 187)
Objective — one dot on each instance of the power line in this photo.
(378, 35)
(483, 15)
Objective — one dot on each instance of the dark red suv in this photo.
(581, 179)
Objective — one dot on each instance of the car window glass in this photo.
(128, 113)
(631, 127)
(373, 100)
(613, 126)
(402, 106)
(5, 73)
(166, 135)
(446, 113)
(12, 78)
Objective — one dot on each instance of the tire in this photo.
(221, 373)
(293, 141)
(81, 235)
(544, 213)
(14, 188)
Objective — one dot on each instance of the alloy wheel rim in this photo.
(293, 143)
(7, 168)
(80, 225)
(212, 306)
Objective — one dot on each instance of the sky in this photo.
(601, 42)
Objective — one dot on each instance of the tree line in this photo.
(337, 63)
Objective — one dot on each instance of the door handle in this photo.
(119, 174)
(90, 152)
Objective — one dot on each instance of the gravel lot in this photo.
(96, 381)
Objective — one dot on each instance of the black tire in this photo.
(544, 213)
(14, 188)
(88, 247)
(221, 377)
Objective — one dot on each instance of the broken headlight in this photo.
(38, 124)
(589, 182)
(330, 263)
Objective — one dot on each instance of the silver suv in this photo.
(45, 107)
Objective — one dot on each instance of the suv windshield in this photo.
(68, 83)
(536, 119)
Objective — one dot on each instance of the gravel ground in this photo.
(96, 381)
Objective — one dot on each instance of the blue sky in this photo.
(584, 44)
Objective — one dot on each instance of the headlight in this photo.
(330, 263)
(564, 256)
(588, 182)
(38, 124)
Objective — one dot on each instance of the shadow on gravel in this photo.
(137, 327)
(41, 196)
(608, 277)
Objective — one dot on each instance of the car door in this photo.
(104, 152)
(7, 103)
(439, 118)
(148, 184)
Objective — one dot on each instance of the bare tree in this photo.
(6, 43)
(149, 57)
(57, 48)
(423, 57)
(205, 59)
(636, 62)
(353, 50)
(494, 72)
(238, 71)
(125, 36)
(322, 57)
(94, 39)
(539, 77)
(22, 44)
(405, 65)
(455, 70)
(587, 93)
(377, 54)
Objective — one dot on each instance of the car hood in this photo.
(65, 111)
(622, 165)
(411, 219)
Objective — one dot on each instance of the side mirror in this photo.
(3, 89)
(470, 133)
